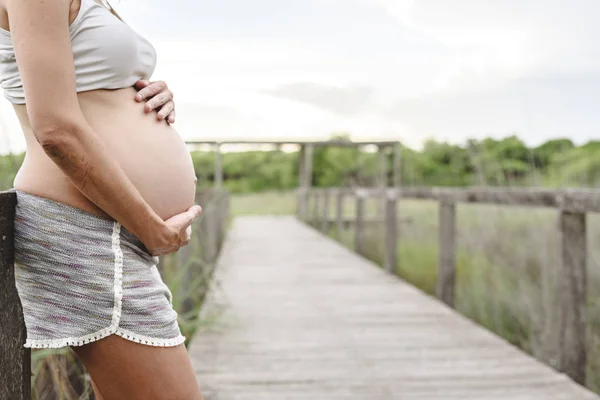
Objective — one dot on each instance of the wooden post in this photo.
(447, 253)
(202, 199)
(302, 193)
(325, 222)
(15, 360)
(308, 164)
(211, 233)
(301, 203)
(359, 233)
(339, 213)
(383, 178)
(391, 232)
(305, 160)
(315, 208)
(223, 206)
(397, 159)
(218, 167)
(570, 323)
(301, 178)
(184, 257)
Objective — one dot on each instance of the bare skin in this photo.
(102, 152)
(121, 369)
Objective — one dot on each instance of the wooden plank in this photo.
(294, 315)
(573, 200)
(350, 222)
(382, 179)
(210, 227)
(15, 360)
(447, 253)
(183, 257)
(325, 212)
(397, 172)
(308, 166)
(315, 208)
(339, 213)
(572, 282)
(323, 143)
(391, 233)
(359, 226)
(301, 203)
(218, 167)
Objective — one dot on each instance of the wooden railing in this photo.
(569, 326)
(15, 360)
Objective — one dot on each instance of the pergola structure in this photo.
(306, 156)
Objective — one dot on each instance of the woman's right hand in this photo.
(176, 233)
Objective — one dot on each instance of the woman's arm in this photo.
(40, 33)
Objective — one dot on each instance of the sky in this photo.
(377, 69)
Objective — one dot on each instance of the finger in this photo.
(184, 219)
(151, 90)
(142, 83)
(188, 233)
(191, 215)
(172, 117)
(166, 110)
(158, 101)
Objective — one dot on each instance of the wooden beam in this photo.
(359, 227)
(339, 213)
(302, 192)
(218, 167)
(15, 360)
(570, 323)
(315, 208)
(322, 143)
(397, 172)
(325, 213)
(383, 178)
(572, 200)
(308, 165)
(447, 253)
(391, 233)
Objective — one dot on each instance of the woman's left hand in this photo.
(159, 98)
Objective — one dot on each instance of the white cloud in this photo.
(399, 68)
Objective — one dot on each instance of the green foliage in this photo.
(506, 161)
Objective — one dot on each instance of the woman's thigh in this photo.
(122, 369)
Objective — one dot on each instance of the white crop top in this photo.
(108, 54)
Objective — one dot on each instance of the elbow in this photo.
(56, 139)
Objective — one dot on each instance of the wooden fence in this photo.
(569, 325)
(15, 360)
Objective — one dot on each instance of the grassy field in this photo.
(506, 259)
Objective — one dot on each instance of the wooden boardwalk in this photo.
(294, 315)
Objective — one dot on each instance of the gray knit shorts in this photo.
(82, 277)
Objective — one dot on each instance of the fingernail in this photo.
(138, 97)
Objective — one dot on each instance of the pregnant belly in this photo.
(151, 152)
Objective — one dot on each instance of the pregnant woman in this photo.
(105, 188)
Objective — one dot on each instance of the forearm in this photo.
(84, 159)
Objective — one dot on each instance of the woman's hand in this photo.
(176, 234)
(159, 98)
